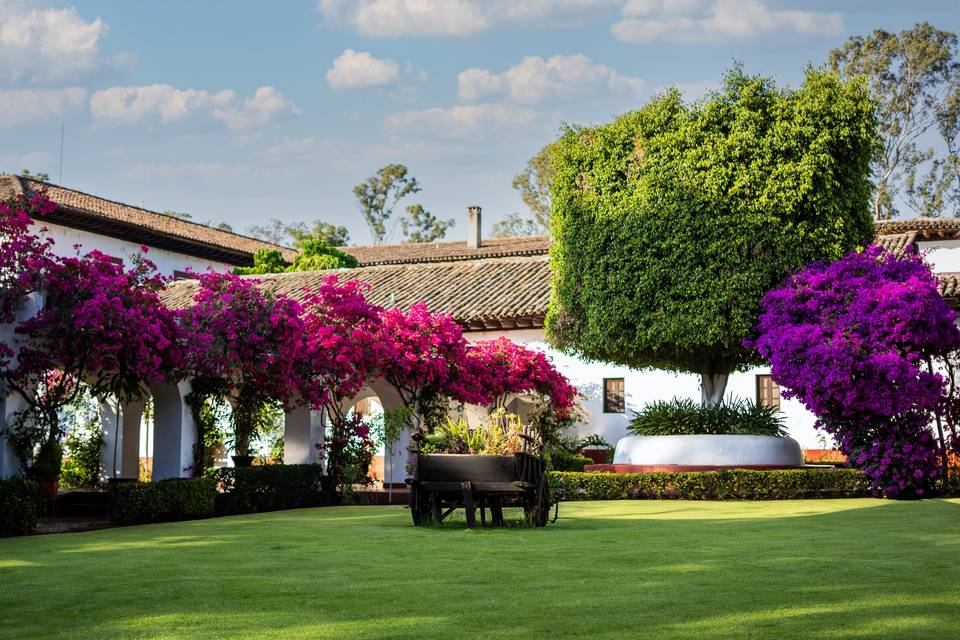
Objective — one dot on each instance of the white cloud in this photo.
(267, 105)
(36, 161)
(360, 70)
(722, 21)
(202, 171)
(132, 105)
(50, 45)
(21, 106)
(395, 18)
(558, 78)
(464, 121)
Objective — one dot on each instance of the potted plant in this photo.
(597, 448)
(45, 469)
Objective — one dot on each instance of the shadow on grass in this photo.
(831, 569)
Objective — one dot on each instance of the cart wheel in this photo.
(420, 507)
(415, 506)
(543, 504)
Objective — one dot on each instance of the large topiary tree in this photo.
(670, 223)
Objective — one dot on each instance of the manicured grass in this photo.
(800, 569)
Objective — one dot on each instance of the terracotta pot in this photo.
(242, 461)
(49, 487)
(599, 456)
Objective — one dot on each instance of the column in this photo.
(174, 432)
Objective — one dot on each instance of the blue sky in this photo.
(246, 111)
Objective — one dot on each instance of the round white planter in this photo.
(708, 451)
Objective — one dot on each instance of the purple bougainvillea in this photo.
(851, 340)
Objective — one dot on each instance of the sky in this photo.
(243, 111)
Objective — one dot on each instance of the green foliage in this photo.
(174, 499)
(914, 76)
(82, 468)
(422, 226)
(315, 255)
(499, 434)
(380, 193)
(670, 223)
(48, 461)
(563, 460)
(272, 487)
(20, 507)
(595, 440)
(41, 176)
(264, 261)
(683, 417)
(788, 484)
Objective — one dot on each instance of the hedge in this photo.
(173, 499)
(20, 507)
(271, 487)
(711, 485)
(561, 460)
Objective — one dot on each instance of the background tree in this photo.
(514, 225)
(292, 234)
(534, 184)
(915, 78)
(671, 223)
(380, 193)
(183, 215)
(41, 176)
(422, 226)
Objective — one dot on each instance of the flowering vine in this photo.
(851, 340)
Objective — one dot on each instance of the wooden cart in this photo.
(444, 482)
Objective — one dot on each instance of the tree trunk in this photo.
(712, 387)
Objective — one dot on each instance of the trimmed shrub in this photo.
(786, 484)
(173, 499)
(562, 460)
(271, 487)
(684, 417)
(20, 507)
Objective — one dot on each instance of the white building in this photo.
(119, 230)
(492, 287)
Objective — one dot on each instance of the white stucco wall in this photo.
(942, 255)
(167, 261)
(642, 387)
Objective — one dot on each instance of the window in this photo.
(116, 261)
(613, 396)
(768, 392)
(183, 275)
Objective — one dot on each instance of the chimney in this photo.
(473, 226)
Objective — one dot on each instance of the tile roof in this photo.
(896, 242)
(926, 228)
(499, 293)
(81, 210)
(369, 255)
(949, 287)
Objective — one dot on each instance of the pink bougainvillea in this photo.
(100, 325)
(420, 353)
(852, 340)
(24, 257)
(494, 368)
(239, 340)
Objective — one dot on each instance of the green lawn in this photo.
(803, 569)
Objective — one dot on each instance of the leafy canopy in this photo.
(670, 223)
